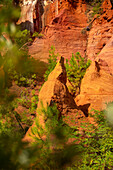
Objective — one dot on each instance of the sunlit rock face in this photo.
(62, 27)
(55, 90)
(97, 84)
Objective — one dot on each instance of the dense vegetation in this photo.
(98, 139)
(93, 149)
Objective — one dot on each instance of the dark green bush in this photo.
(22, 37)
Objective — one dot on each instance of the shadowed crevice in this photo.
(84, 109)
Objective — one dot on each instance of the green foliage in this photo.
(52, 140)
(28, 105)
(27, 72)
(52, 150)
(76, 69)
(11, 133)
(10, 145)
(22, 80)
(51, 153)
(94, 7)
(10, 118)
(98, 141)
(52, 61)
(19, 68)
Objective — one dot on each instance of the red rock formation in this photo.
(64, 30)
(101, 31)
(97, 84)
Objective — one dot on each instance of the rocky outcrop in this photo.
(97, 84)
(53, 91)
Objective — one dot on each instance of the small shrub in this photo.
(22, 37)
(96, 7)
(21, 80)
(76, 69)
(38, 35)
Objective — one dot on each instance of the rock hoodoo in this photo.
(55, 90)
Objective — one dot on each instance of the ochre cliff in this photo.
(97, 84)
